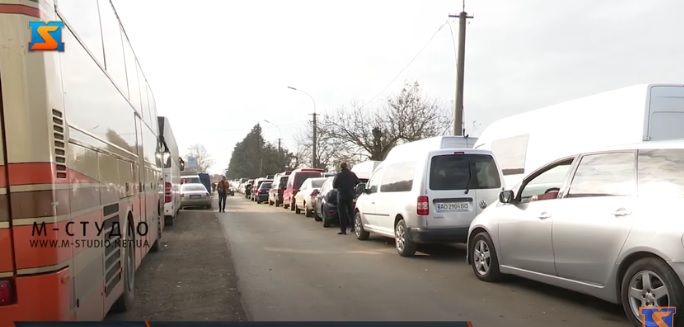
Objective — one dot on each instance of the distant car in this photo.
(306, 195)
(325, 208)
(262, 192)
(195, 195)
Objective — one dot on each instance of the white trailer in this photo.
(525, 142)
(173, 165)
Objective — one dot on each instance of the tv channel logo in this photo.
(46, 36)
(657, 316)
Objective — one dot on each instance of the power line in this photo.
(409, 63)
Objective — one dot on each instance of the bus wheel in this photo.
(125, 301)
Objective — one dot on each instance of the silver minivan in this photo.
(421, 196)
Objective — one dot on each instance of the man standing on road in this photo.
(222, 189)
(345, 182)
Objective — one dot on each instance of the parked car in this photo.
(326, 204)
(248, 188)
(604, 223)
(421, 195)
(306, 195)
(255, 187)
(262, 192)
(195, 195)
(294, 182)
(275, 194)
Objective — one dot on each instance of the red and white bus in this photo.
(79, 162)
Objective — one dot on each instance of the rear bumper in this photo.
(196, 202)
(32, 291)
(330, 211)
(438, 235)
(262, 197)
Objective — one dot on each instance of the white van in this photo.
(524, 142)
(173, 165)
(426, 193)
(363, 170)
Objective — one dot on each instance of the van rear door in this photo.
(460, 184)
(666, 113)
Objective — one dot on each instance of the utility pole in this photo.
(315, 141)
(458, 110)
(280, 155)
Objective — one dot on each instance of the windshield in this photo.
(282, 182)
(191, 180)
(265, 185)
(301, 177)
(194, 188)
(452, 172)
(317, 183)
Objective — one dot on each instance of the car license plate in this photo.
(195, 196)
(459, 206)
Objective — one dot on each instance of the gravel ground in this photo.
(192, 278)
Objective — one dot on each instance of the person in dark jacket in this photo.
(345, 182)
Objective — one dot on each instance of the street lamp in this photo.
(314, 161)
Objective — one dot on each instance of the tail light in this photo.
(314, 193)
(6, 292)
(167, 192)
(423, 207)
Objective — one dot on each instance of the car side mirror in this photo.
(360, 188)
(506, 196)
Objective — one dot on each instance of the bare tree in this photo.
(406, 116)
(204, 159)
(325, 148)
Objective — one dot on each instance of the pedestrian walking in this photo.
(345, 182)
(222, 189)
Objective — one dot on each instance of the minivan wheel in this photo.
(405, 247)
(649, 282)
(484, 261)
(361, 233)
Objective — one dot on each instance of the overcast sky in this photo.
(219, 67)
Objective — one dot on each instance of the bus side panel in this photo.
(88, 193)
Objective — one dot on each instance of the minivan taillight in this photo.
(6, 292)
(423, 206)
(167, 192)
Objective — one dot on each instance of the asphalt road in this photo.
(192, 278)
(291, 268)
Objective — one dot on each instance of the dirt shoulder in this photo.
(192, 278)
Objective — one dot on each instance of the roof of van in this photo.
(432, 143)
(626, 102)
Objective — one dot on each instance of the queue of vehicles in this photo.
(584, 195)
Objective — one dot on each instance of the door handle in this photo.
(622, 212)
(544, 215)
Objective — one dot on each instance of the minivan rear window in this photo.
(301, 177)
(452, 172)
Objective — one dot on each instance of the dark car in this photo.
(326, 204)
(248, 189)
(262, 192)
(255, 187)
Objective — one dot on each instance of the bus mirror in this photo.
(182, 165)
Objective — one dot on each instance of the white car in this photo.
(305, 199)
